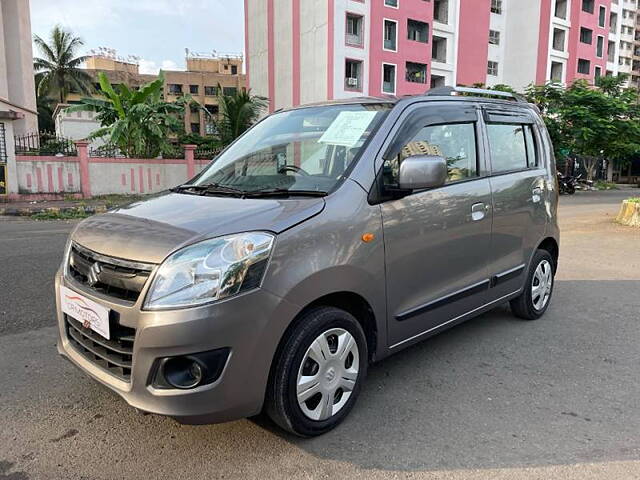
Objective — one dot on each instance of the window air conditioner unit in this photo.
(352, 82)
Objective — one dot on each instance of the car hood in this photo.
(148, 230)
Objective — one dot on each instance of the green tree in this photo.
(138, 122)
(592, 123)
(237, 113)
(59, 65)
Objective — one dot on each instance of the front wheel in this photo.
(538, 288)
(319, 372)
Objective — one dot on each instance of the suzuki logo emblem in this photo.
(93, 276)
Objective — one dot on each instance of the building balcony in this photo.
(354, 40)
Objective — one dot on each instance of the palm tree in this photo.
(237, 113)
(59, 65)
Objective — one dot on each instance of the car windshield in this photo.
(303, 150)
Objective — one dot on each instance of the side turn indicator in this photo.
(368, 237)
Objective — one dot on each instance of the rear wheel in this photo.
(319, 372)
(534, 300)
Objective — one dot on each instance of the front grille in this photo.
(114, 356)
(114, 277)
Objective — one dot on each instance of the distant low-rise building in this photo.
(18, 111)
(203, 76)
(76, 125)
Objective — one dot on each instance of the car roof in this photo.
(408, 99)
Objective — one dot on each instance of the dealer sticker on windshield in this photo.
(85, 311)
(347, 129)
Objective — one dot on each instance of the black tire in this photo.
(523, 306)
(571, 189)
(281, 403)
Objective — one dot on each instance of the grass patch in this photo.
(633, 200)
(63, 215)
(603, 185)
(115, 200)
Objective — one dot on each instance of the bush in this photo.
(603, 185)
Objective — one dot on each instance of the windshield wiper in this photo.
(209, 188)
(283, 192)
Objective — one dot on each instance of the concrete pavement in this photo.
(494, 398)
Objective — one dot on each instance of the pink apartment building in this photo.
(302, 51)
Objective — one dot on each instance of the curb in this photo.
(28, 211)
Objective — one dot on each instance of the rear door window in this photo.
(508, 147)
(513, 147)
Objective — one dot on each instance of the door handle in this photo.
(536, 195)
(478, 211)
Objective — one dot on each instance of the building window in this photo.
(494, 37)
(229, 91)
(195, 128)
(586, 35)
(388, 78)
(496, 6)
(210, 91)
(600, 46)
(602, 18)
(437, 81)
(193, 89)
(212, 109)
(391, 3)
(416, 72)
(439, 49)
(354, 30)
(492, 68)
(611, 52)
(587, 6)
(175, 89)
(559, 37)
(556, 72)
(613, 22)
(584, 66)
(561, 9)
(598, 71)
(353, 75)
(441, 11)
(390, 35)
(417, 31)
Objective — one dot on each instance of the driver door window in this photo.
(456, 142)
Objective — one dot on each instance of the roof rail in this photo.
(449, 91)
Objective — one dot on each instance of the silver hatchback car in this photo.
(326, 238)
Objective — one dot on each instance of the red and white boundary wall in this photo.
(85, 176)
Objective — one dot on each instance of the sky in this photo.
(158, 31)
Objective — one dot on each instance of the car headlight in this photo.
(210, 270)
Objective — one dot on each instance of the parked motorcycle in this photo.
(567, 184)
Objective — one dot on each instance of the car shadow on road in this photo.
(501, 392)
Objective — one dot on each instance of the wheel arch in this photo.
(550, 244)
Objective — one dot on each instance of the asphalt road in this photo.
(493, 398)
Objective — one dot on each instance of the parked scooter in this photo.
(567, 184)
(583, 183)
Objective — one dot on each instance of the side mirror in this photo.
(423, 171)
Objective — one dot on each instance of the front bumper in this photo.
(250, 325)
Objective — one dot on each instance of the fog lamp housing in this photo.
(185, 372)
